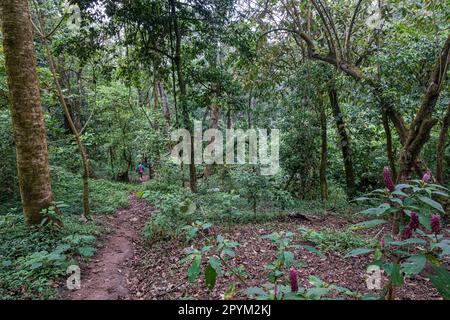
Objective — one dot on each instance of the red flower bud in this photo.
(414, 222)
(407, 232)
(388, 179)
(294, 279)
(435, 222)
(426, 177)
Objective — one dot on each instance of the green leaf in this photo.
(445, 246)
(441, 281)
(210, 276)
(288, 258)
(396, 275)
(315, 281)
(317, 293)
(36, 265)
(229, 253)
(255, 291)
(86, 251)
(399, 193)
(431, 203)
(414, 264)
(368, 224)
(194, 268)
(408, 242)
(312, 249)
(357, 252)
(230, 292)
(215, 264)
(382, 208)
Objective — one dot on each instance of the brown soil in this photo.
(163, 276)
(111, 273)
(128, 268)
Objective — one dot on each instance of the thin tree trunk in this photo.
(389, 152)
(183, 94)
(323, 155)
(440, 152)
(165, 102)
(229, 119)
(213, 125)
(345, 141)
(74, 107)
(27, 116)
(75, 132)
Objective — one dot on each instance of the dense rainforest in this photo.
(224, 149)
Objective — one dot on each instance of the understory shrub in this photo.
(332, 240)
(33, 258)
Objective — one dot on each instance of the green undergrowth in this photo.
(334, 240)
(32, 259)
(179, 207)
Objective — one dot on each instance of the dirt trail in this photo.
(110, 274)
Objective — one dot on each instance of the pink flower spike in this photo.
(294, 279)
(414, 222)
(407, 232)
(426, 177)
(388, 179)
(435, 222)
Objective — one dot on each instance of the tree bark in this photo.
(165, 102)
(212, 125)
(440, 151)
(74, 108)
(183, 94)
(389, 152)
(229, 116)
(345, 141)
(323, 155)
(423, 122)
(75, 132)
(27, 116)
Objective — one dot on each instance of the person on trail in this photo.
(140, 170)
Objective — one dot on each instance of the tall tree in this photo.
(27, 116)
(344, 139)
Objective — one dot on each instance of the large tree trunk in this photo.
(323, 155)
(423, 122)
(27, 117)
(440, 151)
(345, 141)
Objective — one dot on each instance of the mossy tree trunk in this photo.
(27, 116)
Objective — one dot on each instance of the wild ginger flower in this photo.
(388, 179)
(435, 222)
(294, 279)
(414, 222)
(382, 243)
(426, 177)
(407, 232)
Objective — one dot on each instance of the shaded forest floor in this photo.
(127, 267)
(112, 273)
